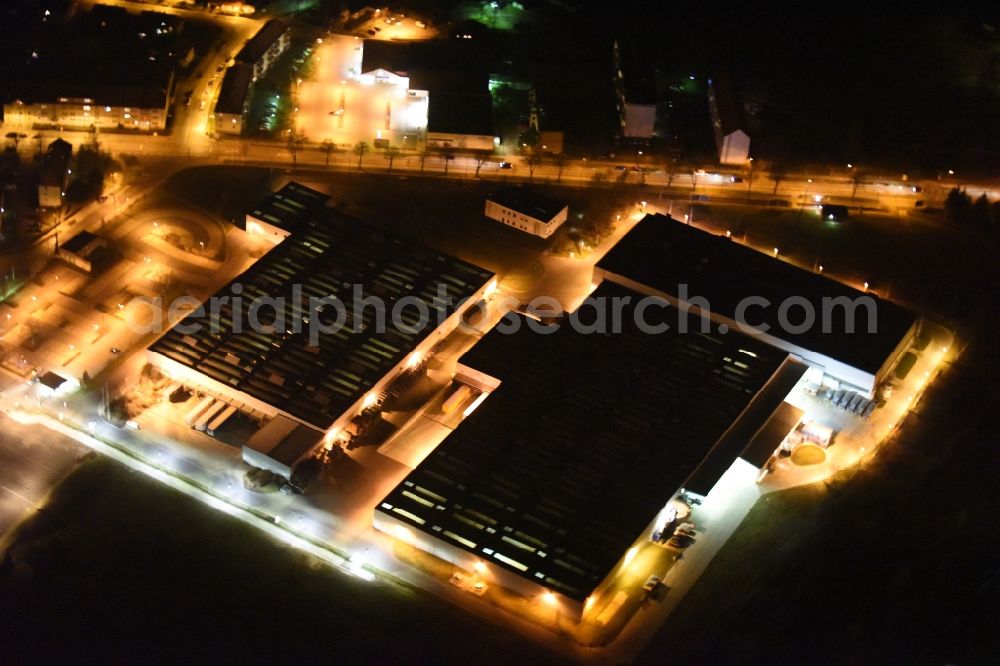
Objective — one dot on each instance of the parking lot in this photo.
(32, 460)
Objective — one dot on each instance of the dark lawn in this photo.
(117, 568)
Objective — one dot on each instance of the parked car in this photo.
(651, 583)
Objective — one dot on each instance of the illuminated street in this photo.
(515, 309)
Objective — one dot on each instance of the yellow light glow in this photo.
(550, 598)
(370, 400)
(630, 555)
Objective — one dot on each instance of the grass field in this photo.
(117, 568)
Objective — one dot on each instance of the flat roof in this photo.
(234, 89)
(662, 253)
(107, 55)
(460, 113)
(258, 45)
(769, 437)
(51, 380)
(455, 64)
(327, 256)
(79, 242)
(290, 207)
(755, 416)
(284, 440)
(728, 103)
(586, 438)
(55, 166)
(528, 202)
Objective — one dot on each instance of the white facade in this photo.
(734, 148)
(638, 120)
(526, 223)
(229, 123)
(82, 113)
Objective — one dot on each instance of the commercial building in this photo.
(286, 211)
(234, 96)
(729, 121)
(63, 81)
(77, 250)
(854, 338)
(282, 349)
(264, 48)
(581, 441)
(451, 75)
(524, 209)
(55, 173)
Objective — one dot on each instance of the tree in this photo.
(533, 159)
(16, 137)
(778, 174)
(360, 148)
(480, 161)
(423, 158)
(95, 141)
(447, 154)
(39, 141)
(391, 153)
(981, 217)
(295, 141)
(958, 207)
(560, 161)
(857, 179)
(328, 147)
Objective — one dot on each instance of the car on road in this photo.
(506, 165)
(420, 24)
(651, 583)
(116, 351)
(621, 168)
(371, 33)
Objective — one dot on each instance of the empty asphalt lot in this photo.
(32, 460)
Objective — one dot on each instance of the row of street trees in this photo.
(979, 215)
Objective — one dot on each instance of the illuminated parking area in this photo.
(344, 106)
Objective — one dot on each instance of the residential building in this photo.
(127, 84)
(55, 174)
(234, 96)
(635, 89)
(526, 210)
(729, 123)
(264, 48)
